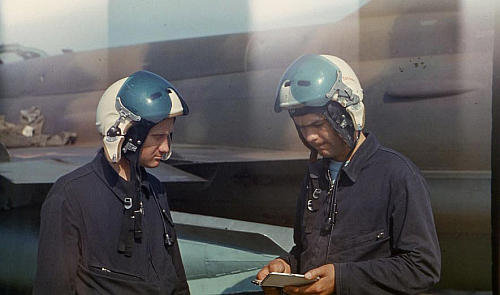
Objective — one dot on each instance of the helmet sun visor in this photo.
(314, 81)
(151, 97)
(306, 83)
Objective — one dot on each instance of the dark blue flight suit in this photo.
(384, 239)
(79, 235)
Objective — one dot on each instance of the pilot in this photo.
(106, 227)
(364, 223)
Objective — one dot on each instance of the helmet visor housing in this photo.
(316, 80)
(306, 83)
(150, 97)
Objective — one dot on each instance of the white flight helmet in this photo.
(315, 80)
(141, 98)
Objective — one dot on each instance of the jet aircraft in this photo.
(425, 67)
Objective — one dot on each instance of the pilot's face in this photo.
(157, 143)
(320, 135)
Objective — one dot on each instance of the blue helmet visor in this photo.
(150, 97)
(306, 83)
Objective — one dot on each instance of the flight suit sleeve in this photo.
(58, 250)
(293, 257)
(182, 285)
(415, 262)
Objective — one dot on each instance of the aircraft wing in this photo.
(46, 165)
(206, 154)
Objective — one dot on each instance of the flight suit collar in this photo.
(117, 184)
(109, 175)
(364, 152)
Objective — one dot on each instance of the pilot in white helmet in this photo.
(106, 227)
(364, 223)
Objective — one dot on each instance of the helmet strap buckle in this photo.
(129, 146)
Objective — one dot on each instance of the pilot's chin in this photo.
(152, 164)
(324, 153)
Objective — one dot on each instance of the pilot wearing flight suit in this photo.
(364, 223)
(106, 227)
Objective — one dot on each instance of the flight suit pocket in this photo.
(101, 280)
(361, 247)
(115, 273)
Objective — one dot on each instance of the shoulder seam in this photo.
(399, 156)
(69, 181)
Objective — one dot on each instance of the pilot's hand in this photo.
(276, 265)
(325, 285)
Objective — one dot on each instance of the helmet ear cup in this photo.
(112, 148)
(341, 122)
(115, 136)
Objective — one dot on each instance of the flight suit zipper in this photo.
(103, 269)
